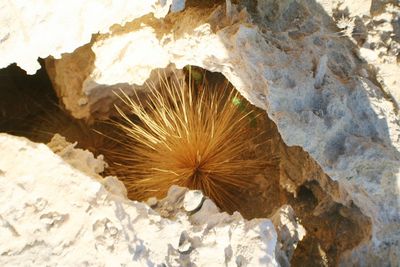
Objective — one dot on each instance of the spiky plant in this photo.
(200, 138)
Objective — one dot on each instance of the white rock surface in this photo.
(53, 213)
(358, 8)
(289, 234)
(76, 157)
(193, 200)
(378, 33)
(293, 63)
(54, 27)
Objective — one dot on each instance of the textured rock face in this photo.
(56, 210)
(289, 60)
(23, 26)
(375, 27)
(305, 68)
(290, 233)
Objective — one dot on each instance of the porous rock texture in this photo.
(375, 27)
(55, 210)
(289, 58)
(300, 60)
(26, 32)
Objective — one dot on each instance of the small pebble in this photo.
(192, 200)
(184, 243)
(185, 247)
(152, 201)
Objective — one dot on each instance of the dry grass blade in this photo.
(183, 136)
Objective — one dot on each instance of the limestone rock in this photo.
(289, 60)
(66, 25)
(296, 59)
(56, 213)
(192, 200)
(289, 234)
(376, 30)
(77, 158)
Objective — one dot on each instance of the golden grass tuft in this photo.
(201, 138)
